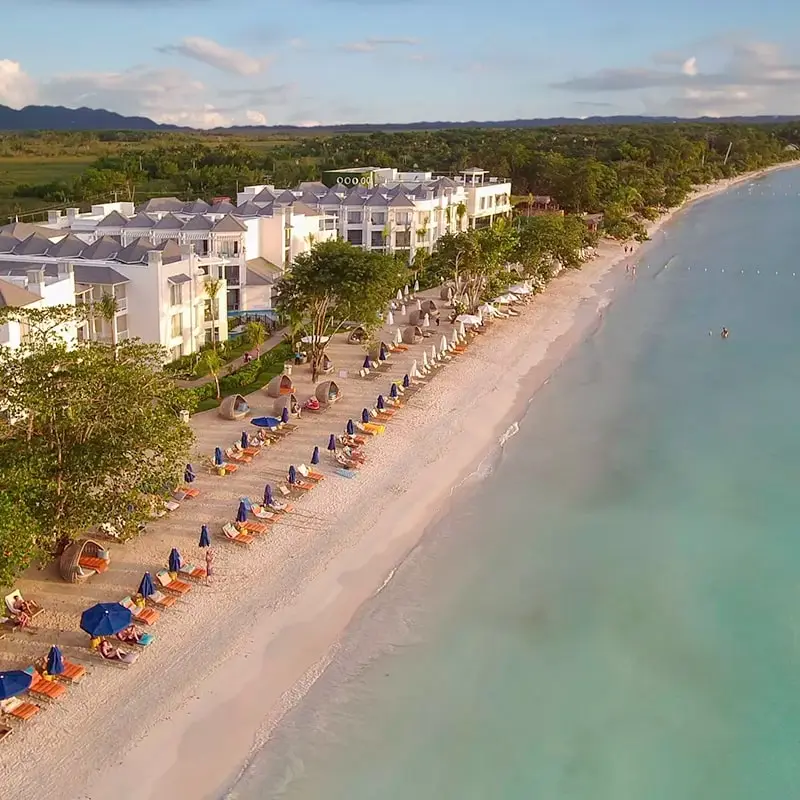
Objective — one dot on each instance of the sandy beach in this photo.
(231, 657)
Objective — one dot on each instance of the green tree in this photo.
(334, 283)
(212, 288)
(256, 335)
(20, 535)
(211, 361)
(87, 433)
(107, 309)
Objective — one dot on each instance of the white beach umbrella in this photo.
(399, 296)
(416, 286)
(443, 344)
(405, 291)
(519, 288)
(390, 318)
(426, 321)
(403, 309)
(454, 339)
(434, 357)
(414, 372)
(462, 332)
(419, 305)
(398, 337)
(468, 319)
(425, 365)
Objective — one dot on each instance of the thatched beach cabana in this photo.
(357, 335)
(234, 407)
(286, 401)
(328, 392)
(280, 385)
(415, 317)
(446, 293)
(375, 350)
(429, 307)
(82, 559)
(412, 334)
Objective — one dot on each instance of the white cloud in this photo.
(689, 67)
(17, 89)
(215, 55)
(255, 117)
(372, 44)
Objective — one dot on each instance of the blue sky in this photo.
(221, 62)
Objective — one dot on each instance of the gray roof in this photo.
(102, 249)
(331, 199)
(160, 205)
(446, 183)
(178, 278)
(286, 197)
(170, 251)
(196, 207)
(267, 211)
(141, 220)
(69, 247)
(222, 207)
(229, 224)
(311, 198)
(169, 222)
(198, 223)
(264, 196)
(113, 220)
(13, 296)
(377, 199)
(401, 201)
(34, 245)
(135, 253)
(8, 243)
(248, 209)
(105, 276)
(22, 230)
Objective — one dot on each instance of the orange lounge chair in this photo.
(21, 709)
(239, 458)
(179, 587)
(188, 492)
(96, 564)
(224, 468)
(255, 527)
(192, 571)
(44, 688)
(147, 616)
(72, 673)
(311, 474)
(161, 600)
(229, 532)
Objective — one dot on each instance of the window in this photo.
(203, 247)
(376, 239)
(402, 239)
(355, 237)
(233, 299)
(228, 247)
(422, 235)
(175, 294)
(330, 223)
(232, 273)
(355, 217)
(403, 217)
(378, 218)
(177, 352)
(483, 203)
(177, 325)
(122, 325)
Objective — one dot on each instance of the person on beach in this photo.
(109, 652)
(130, 635)
(209, 564)
(724, 333)
(633, 270)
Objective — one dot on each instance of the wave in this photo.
(511, 431)
(385, 583)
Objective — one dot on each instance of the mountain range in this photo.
(58, 118)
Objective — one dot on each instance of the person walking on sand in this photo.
(209, 564)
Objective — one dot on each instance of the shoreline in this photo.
(246, 649)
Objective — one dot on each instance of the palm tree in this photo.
(106, 309)
(256, 335)
(213, 363)
(212, 287)
(461, 210)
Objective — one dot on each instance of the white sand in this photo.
(232, 657)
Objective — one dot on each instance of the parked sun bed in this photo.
(15, 597)
(230, 532)
(161, 600)
(239, 458)
(310, 474)
(254, 527)
(143, 614)
(172, 585)
(44, 688)
(21, 709)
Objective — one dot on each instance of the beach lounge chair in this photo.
(161, 600)
(262, 512)
(71, 672)
(192, 571)
(176, 586)
(254, 527)
(48, 689)
(21, 709)
(186, 493)
(171, 505)
(145, 639)
(230, 532)
(147, 616)
(222, 469)
(122, 658)
(16, 595)
(5, 732)
(306, 472)
(238, 457)
(371, 428)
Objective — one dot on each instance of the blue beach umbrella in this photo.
(14, 682)
(365, 416)
(351, 428)
(188, 474)
(146, 587)
(285, 415)
(367, 363)
(241, 514)
(267, 495)
(245, 440)
(205, 539)
(105, 619)
(332, 443)
(265, 422)
(175, 561)
(292, 474)
(381, 402)
(406, 381)
(55, 661)
(315, 456)
(218, 459)
(393, 392)
(383, 355)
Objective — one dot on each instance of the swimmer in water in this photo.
(724, 333)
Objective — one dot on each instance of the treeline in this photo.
(622, 170)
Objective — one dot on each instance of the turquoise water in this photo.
(613, 613)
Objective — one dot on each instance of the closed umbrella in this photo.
(285, 415)
(398, 337)
(405, 291)
(267, 495)
(55, 661)
(367, 363)
(241, 514)
(400, 295)
(383, 355)
(315, 456)
(390, 318)
(419, 305)
(146, 587)
(245, 440)
(462, 331)
(105, 619)
(406, 381)
(443, 344)
(425, 364)
(332, 443)
(218, 459)
(205, 539)
(426, 321)
(416, 286)
(292, 474)
(365, 416)
(188, 474)
(381, 402)
(393, 392)
(14, 682)
(403, 309)
(351, 428)
(175, 561)
(433, 353)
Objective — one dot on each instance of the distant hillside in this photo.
(58, 118)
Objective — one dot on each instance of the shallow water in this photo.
(613, 611)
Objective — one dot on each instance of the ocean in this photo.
(613, 611)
